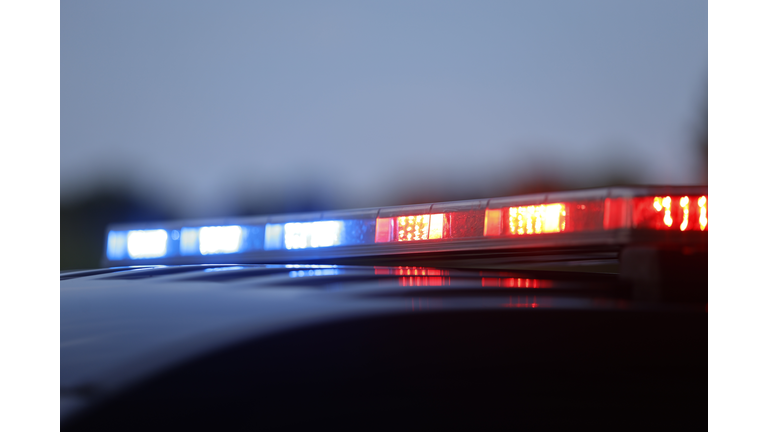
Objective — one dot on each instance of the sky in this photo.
(196, 104)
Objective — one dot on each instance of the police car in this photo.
(582, 308)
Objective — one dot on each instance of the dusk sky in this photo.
(193, 104)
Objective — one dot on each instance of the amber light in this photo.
(548, 218)
(419, 227)
(410, 228)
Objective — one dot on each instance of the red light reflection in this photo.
(522, 302)
(424, 281)
(516, 282)
(409, 271)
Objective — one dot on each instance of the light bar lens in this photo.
(540, 219)
(537, 219)
(220, 239)
(671, 212)
(144, 244)
(313, 234)
(420, 227)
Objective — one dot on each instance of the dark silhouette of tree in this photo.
(83, 225)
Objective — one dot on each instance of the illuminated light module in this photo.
(313, 234)
(420, 227)
(665, 204)
(147, 243)
(684, 201)
(703, 213)
(549, 218)
(676, 213)
(220, 239)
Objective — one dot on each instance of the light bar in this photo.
(592, 218)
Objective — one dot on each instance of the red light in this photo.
(521, 303)
(516, 283)
(584, 214)
(615, 213)
(664, 212)
(424, 281)
(684, 201)
(410, 271)
(670, 213)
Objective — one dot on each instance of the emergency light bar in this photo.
(611, 217)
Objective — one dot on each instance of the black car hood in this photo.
(124, 324)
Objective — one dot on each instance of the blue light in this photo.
(308, 273)
(116, 245)
(147, 243)
(200, 241)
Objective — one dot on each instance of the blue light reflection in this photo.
(308, 273)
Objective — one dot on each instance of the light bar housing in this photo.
(585, 219)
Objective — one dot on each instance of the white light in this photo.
(326, 233)
(147, 243)
(313, 234)
(220, 239)
(297, 235)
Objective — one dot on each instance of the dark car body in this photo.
(304, 346)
